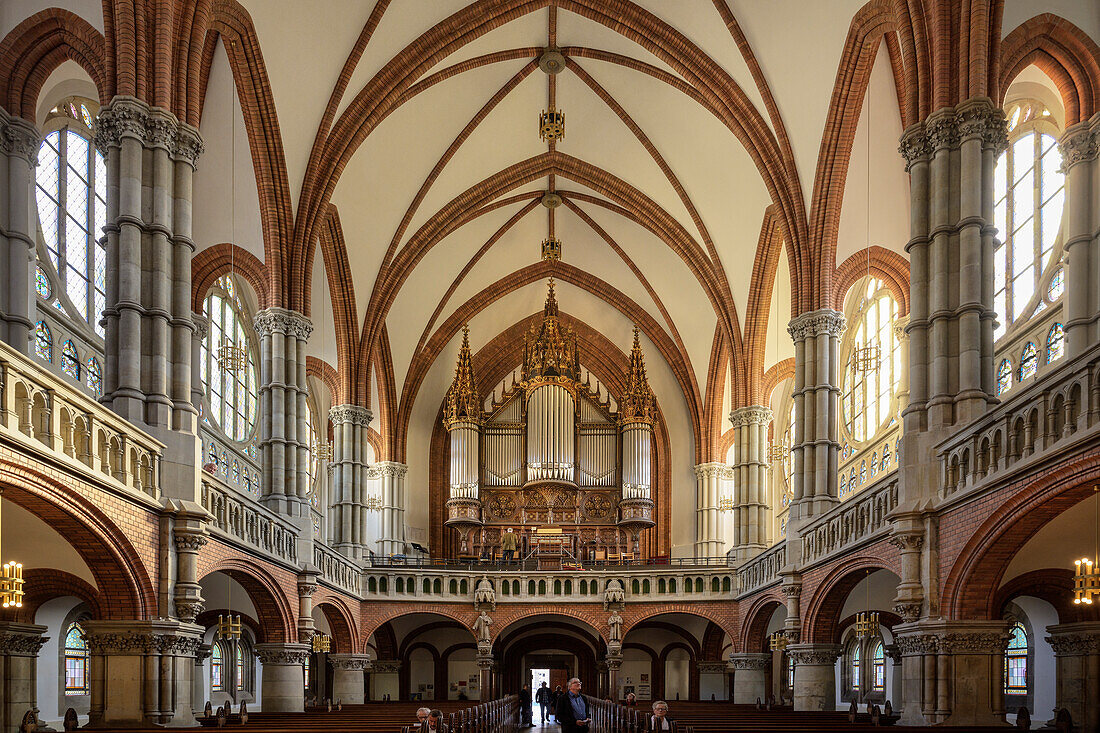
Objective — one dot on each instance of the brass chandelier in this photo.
(1086, 575)
(229, 627)
(321, 643)
(867, 621)
(11, 585)
(552, 125)
(778, 641)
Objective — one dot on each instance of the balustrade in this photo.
(762, 570)
(337, 569)
(42, 412)
(858, 520)
(241, 520)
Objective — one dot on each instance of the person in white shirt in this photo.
(660, 719)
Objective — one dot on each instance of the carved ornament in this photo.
(753, 415)
(1079, 145)
(282, 655)
(19, 137)
(350, 662)
(1075, 645)
(21, 645)
(188, 542)
(385, 666)
(281, 320)
(815, 655)
(755, 663)
(350, 414)
(824, 322)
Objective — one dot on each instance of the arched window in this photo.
(1029, 361)
(1056, 343)
(885, 465)
(217, 668)
(854, 665)
(1004, 376)
(232, 395)
(1057, 285)
(70, 362)
(878, 667)
(42, 283)
(71, 192)
(1029, 192)
(789, 668)
(868, 393)
(862, 472)
(1016, 661)
(76, 661)
(240, 667)
(874, 464)
(43, 344)
(95, 377)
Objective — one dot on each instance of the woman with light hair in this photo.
(660, 719)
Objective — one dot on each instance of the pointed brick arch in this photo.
(213, 262)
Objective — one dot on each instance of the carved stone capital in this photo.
(909, 612)
(350, 414)
(706, 667)
(914, 145)
(824, 322)
(485, 661)
(392, 469)
(814, 655)
(112, 638)
(189, 542)
(282, 655)
(752, 415)
(21, 640)
(1075, 640)
(152, 127)
(916, 644)
(907, 541)
(749, 662)
(951, 637)
(350, 662)
(306, 589)
(19, 138)
(189, 610)
(385, 666)
(280, 320)
(1079, 144)
(793, 590)
(974, 642)
(709, 470)
(979, 117)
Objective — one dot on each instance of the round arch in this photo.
(724, 616)
(822, 618)
(345, 637)
(272, 606)
(757, 617)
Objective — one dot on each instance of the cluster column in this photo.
(284, 438)
(816, 449)
(283, 678)
(750, 480)
(141, 673)
(19, 142)
(190, 536)
(350, 472)
(1080, 147)
(708, 526)
(952, 672)
(19, 645)
(392, 540)
(147, 373)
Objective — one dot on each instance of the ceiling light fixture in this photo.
(1086, 576)
(552, 125)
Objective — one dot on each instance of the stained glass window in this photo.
(862, 472)
(41, 282)
(874, 464)
(790, 673)
(867, 394)
(217, 668)
(1029, 191)
(1004, 376)
(232, 395)
(71, 193)
(1056, 343)
(1057, 285)
(1016, 661)
(43, 344)
(853, 665)
(95, 377)
(878, 668)
(1029, 361)
(240, 667)
(70, 362)
(885, 466)
(76, 661)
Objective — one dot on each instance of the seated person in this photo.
(422, 714)
(631, 700)
(434, 723)
(660, 719)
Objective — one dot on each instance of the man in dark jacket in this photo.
(525, 707)
(544, 698)
(572, 711)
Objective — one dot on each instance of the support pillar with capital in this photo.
(393, 475)
(283, 677)
(750, 480)
(1077, 668)
(350, 472)
(814, 675)
(486, 665)
(1080, 147)
(750, 675)
(708, 527)
(19, 646)
(307, 585)
(19, 141)
(190, 536)
(348, 671)
(614, 661)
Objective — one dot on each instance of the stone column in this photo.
(19, 645)
(1080, 146)
(486, 663)
(307, 584)
(910, 593)
(141, 673)
(614, 662)
(284, 437)
(150, 166)
(189, 532)
(708, 528)
(814, 675)
(1077, 664)
(348, 682)
(198, 678)
(393, 507)
(283, 680)
(750, 675)
(816, 450)
(792, 589)
(952, 672)
(349, 479)
(751, 518)
(950, 158)
(19, 141)
(895, 698)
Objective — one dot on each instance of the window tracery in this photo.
(1056, 343)
(1029, 195)
(70, 362)
(76, 661)
(43, 345)
(232, 396)
(1029, 361)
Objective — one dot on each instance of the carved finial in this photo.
(461, 404)
(637, 405)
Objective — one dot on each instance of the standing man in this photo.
(509, 543)
(572, 712)
(542, 697)
(525, 707)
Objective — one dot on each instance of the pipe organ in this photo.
(552, 450)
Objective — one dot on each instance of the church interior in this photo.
(359, 356)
